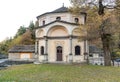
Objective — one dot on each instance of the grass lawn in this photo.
(59, 73)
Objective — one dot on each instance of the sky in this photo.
(16, 13)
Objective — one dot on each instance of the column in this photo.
(86, 51)
(46, 47)
(87, 46)
(36, 51)
(70, 55)
(36, 47)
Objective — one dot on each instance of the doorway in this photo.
(59, 53)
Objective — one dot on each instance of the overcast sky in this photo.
(15, 13)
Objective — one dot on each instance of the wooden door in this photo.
(59, 53)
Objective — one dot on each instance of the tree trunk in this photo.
(101, 8)
(105, 38)
(106, 48)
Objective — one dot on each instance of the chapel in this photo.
(57, 39)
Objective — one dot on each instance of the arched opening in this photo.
(76, 32)
(77, 50)
(42, 50)
(76, 20)
(57, 31)
(40, 33)
(59, 53)
(58, 18)
(43, 22)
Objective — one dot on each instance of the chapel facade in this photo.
(57, 39)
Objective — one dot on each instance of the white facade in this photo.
(56, 38)
(67, 16)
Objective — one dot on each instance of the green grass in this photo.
(60, 73)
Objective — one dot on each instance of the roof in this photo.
(22, 48)
(61, 21)
(3, 56)
(94, 49)
(59, 10)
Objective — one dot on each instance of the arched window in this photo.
(42, 50)
(76, 20)
(58, 18)
(77, 50)
(43, 22)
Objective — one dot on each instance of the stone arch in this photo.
(75, 32)
(40, 33)
(57, 31)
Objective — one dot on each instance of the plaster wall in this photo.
(78, 58)
(64, 16)
(17, 56)
(52, 49)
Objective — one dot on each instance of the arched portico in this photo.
(58, 31)
(75, 32)
(40, 33)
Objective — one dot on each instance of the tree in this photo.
(36, 24)
(16, 41)
(4, 46)
(102, 22)
(24, 36)
(20, 31)
(27, 38)
(31, 27)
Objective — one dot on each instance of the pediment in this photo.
(56, 22)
